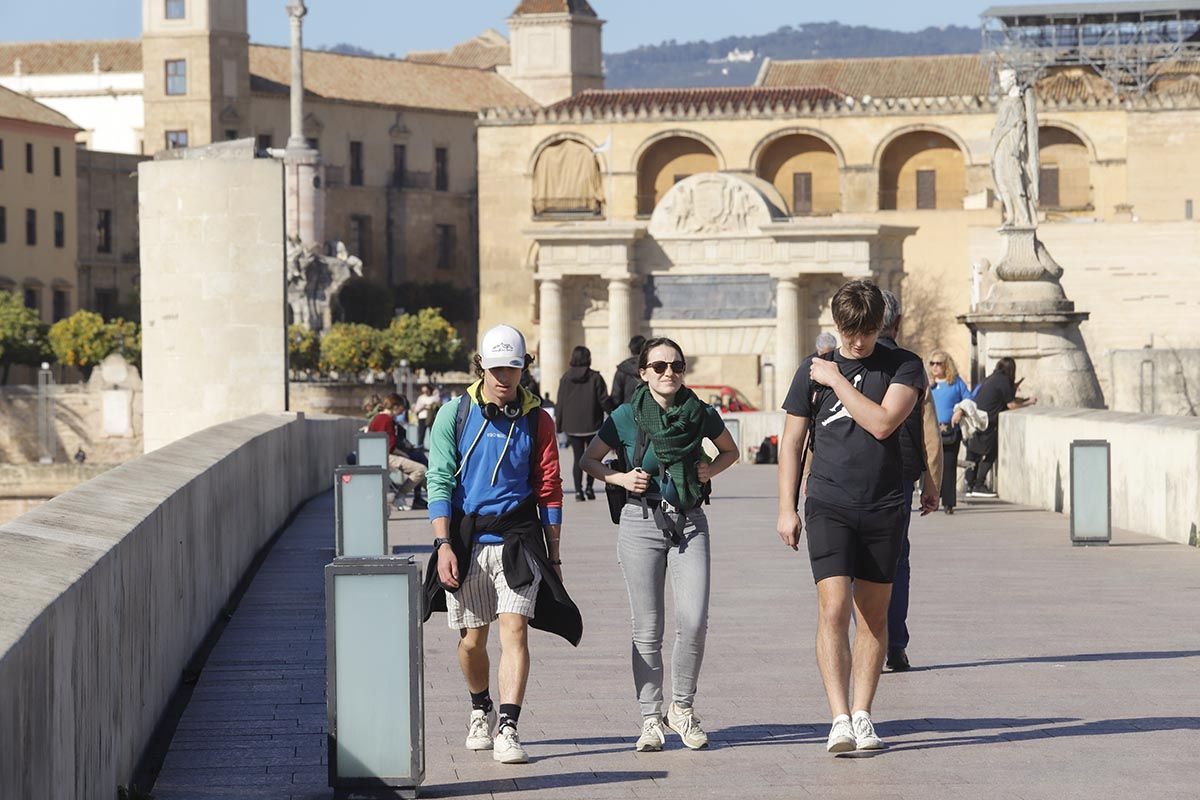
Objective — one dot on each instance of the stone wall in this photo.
(1154, 465)
(109, 589)
(1154, 380)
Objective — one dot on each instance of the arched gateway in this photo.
(721, 267)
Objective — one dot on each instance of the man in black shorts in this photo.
(855, 402)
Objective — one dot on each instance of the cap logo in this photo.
(504, 347)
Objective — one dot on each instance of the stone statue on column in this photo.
(1015, 153)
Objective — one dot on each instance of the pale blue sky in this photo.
(399, 26)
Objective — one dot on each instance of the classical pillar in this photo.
(787, 334)
(620, 320)
(296, 12)
(550, 354)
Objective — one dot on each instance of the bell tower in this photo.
(196, 66)
(555, 49)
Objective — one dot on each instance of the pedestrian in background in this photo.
(949, 389)
(425, 408)
(582, 401)
(826, 343)
(995, 395)
(626, 378)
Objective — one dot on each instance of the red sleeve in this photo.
(383, 423)
(547, 479)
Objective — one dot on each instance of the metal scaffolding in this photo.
(1128, 44)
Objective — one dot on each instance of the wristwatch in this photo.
(439, 541)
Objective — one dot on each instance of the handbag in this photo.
(618, 496)
(951, 435)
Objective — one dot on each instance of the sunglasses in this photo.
(937, 363)
(660, 367)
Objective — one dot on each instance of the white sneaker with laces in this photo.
(841, 736)
(864, 732)
(479, 729)
(685, 722)
(653, 738)
(507, 748)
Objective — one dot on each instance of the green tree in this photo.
(22, 335)
(81, 340)
(304, 349)
(350, 348)
(427, 340)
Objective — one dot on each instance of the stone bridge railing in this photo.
(1155, 461)
(108, 590)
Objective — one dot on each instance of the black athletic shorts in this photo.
(853, 542)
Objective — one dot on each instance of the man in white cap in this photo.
(495, 501)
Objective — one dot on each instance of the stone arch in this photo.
(668, 157)
(567, 176)
(1065, 159)
(924, 156)
(563, 137)
(804, 165)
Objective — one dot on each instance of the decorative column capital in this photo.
(296, 9)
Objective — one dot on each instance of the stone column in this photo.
(550, 355)
(787, 334)
(620, 320)
(296, 12)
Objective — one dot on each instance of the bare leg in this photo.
(473, 657)
(833, 640)
(514, 657)
(870, 639)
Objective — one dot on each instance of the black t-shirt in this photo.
(994, 394)
(850, 467)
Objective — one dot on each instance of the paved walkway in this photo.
(1042, 671)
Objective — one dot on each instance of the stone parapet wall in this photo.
(108, 590)
(78, 423)
(1154, 460)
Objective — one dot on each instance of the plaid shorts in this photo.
(485, 592)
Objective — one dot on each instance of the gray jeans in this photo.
(645, 554)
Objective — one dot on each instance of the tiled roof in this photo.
(1074, 85)
(384, 81)
(14, 105)
(753, 98)
(907, 76)
(58, 58)
(580, 7)
(488, 50)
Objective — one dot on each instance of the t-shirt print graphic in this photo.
(839, 410)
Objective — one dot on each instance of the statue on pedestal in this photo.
(314, 281)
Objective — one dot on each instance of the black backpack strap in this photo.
(460, 419)
(641, 441)
(818, 396)
(533, 417)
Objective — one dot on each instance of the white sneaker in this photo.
(653, 737)
(841, 736)
(508, 749)
(864, 732)
(685, 722)
(479, 729)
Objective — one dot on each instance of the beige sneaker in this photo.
(507, 748)
(479, 730)
(865, 737)
(653, 737)
(685, 722)
(841, 736)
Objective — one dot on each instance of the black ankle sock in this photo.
(481, 701)
(509, 714)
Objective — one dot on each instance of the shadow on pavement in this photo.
(1148, 655)
(1096, 728)
(528, 782)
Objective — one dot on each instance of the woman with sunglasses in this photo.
(948, 391)
(670, 480)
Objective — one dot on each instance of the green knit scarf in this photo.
(675, 433)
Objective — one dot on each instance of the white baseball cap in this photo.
(502, 346)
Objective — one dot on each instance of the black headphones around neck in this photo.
(492, 411)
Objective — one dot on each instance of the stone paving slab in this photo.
(1042, 671)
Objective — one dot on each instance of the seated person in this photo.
(400, 452)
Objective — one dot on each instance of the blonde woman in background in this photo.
(948, 390)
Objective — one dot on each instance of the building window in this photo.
(312, 142)
(33, 299)
(177, 77)
(30, 226)
(3, 225)
(264, 141)
(60, 229)
(176, 9)
(1048, 187)
(103, 230)
(60, 304)
(57, 162)
(360, 236)
(399, 164)
(926, 188)
(230, 134)
(441, 163)
(29, 157)
(356, 164)
(176, 139)
(106, 303)
(445, 246)
(802, 200)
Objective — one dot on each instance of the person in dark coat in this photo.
(996, 394)
(582, 401)
(627, 378)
